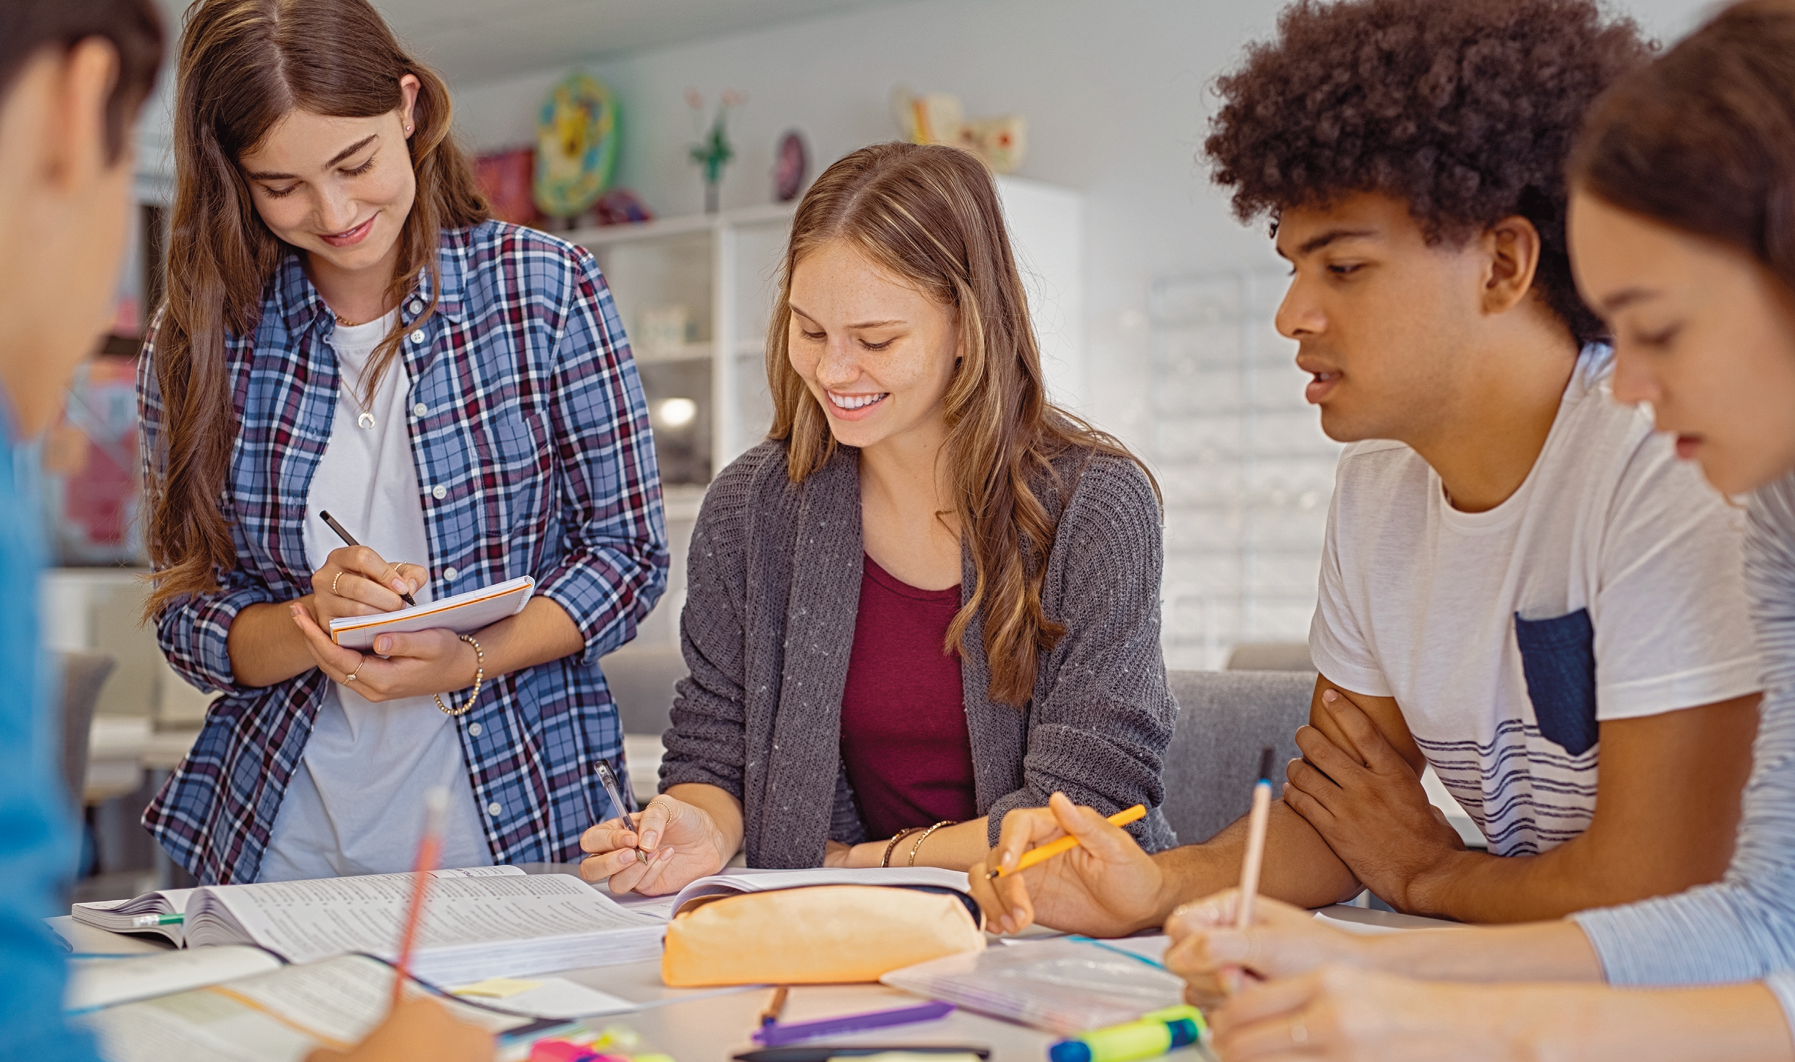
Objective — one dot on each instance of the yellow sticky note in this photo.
(496, 988)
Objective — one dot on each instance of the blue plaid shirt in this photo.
(534, 457)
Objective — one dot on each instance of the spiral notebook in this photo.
(463, 614)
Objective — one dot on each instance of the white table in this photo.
(711, 1025)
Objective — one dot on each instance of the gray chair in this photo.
(1224, 719)
(641, 682)
(83, 675)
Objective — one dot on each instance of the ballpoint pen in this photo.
(608, 779)
(349, 539)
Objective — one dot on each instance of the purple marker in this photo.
(777, 1035)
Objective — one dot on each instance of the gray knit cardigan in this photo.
(772, 598)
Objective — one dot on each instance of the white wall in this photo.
(1115, 93)
(1180, 359)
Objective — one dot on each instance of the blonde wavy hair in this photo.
(930, 215)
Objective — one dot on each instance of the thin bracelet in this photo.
(925, 836)
(892, 847)
(479, 677)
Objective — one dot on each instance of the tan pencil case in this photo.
(821, 934)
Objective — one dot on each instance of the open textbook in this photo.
(280, 1014)
(480, 922)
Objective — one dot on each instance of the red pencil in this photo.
(430, 846)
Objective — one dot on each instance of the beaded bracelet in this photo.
(917, 847)
(892, 847)
(479, 677)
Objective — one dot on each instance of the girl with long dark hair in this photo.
(347, 331)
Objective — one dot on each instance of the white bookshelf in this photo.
(721, 268)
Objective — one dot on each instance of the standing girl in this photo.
(347, 331)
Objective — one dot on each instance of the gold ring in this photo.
(351, 676)
(333, 585)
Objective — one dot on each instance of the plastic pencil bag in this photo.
(1066, 985)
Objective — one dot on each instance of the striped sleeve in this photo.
(1741, 928)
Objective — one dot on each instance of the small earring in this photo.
(408, 130)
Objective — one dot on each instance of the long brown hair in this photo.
(930, 215)
(1703, 139)
(244, 64)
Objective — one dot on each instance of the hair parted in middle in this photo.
(929, 215)
(1464, 109)
(244, 65)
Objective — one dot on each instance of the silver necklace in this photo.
(366, 420)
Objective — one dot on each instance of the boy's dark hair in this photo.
(1465, 109)
(131, 25)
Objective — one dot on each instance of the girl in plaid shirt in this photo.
(347, 330)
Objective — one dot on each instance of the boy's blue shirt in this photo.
(36, 829)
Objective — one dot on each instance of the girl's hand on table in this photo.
(682, 843)
(1345, 1014)
(1107, 886)
(1209, 952)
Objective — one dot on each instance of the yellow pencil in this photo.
(1066, 844)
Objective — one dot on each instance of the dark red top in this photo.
(903, 718)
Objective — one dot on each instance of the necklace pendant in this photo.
(366, 420)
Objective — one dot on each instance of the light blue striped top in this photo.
(1743, 927)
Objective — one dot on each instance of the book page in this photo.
(170, 901)
(104, 982)
(309, 920)
(275, 1017)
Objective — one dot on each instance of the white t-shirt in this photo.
(356, 803)
(1607, 587)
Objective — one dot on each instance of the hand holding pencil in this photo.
(1103, 883)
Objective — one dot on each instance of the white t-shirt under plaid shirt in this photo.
(1606, 587)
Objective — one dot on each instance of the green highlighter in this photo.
(1153, 1035)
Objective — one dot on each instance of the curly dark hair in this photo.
(1465, 109)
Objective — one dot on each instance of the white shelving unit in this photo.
(720, 268)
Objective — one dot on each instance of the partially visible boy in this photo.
(1519, 579)
(73, 74)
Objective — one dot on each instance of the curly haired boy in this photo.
(1519, 579)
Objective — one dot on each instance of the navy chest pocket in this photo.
(1558, 656)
